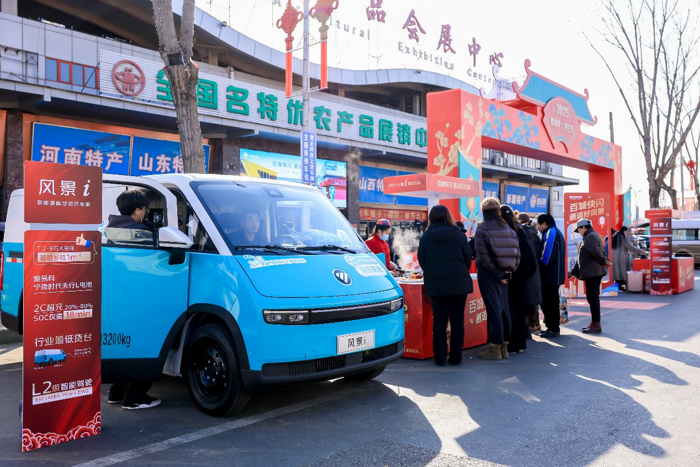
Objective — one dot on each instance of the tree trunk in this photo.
(183, 85)
(654, 194)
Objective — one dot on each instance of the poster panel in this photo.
(537, 200)
(76, 146)
(661, 251)
(308, 156)
(62, 327)
(62, 194)
(331, 176)
(151, 156)
(596, 207)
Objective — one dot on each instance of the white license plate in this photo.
(355, 342)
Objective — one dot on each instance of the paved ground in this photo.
(626, 397)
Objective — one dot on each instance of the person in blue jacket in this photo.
(552, 261)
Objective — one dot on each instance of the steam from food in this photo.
(405, 245)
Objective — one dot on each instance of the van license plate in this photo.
(355, 342)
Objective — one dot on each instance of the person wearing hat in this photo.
(592, 262)
(497, 257)
(551, 254)
(533, 287)
(377, 243)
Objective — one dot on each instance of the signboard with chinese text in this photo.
(425, 184)
(517, 198)
(489, 190)
(372, 185)
(371, 214)
(251, 103)
(62, 194)
(661, 251)
(561, 122)
(308, 157)
(331, 176)
(61, 370)
(156, 156)
(409, 200)
(76, 146)
(595, 207)
(537, 199)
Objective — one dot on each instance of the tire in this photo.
(50, 361)
(366, 376)
(212, 372)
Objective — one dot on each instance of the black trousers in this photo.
(550, 307)
(593, 297)
(444, 307)
(132, 391)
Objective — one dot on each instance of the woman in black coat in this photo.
(445, 257)
(517, 287)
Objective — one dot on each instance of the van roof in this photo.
(186, 178)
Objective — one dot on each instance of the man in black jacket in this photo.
(133, 207)
(552, 257)
(592, 261)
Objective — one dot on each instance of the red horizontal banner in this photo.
(424, 185)
(393, 215)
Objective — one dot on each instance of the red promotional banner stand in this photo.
(660, 251)
(62, 304)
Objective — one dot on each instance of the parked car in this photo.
(306, 302)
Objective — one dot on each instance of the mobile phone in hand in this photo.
(507, 275)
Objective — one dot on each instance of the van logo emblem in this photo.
(342, 276)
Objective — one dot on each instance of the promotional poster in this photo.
(62, 302)
(61, 369)
(661, 251)
(597, 208)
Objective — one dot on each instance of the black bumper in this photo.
(280, 375)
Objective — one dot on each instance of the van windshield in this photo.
(251, 216)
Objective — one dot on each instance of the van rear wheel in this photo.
(212, 372)
(367, 375)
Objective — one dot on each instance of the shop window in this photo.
(71, 73)
(555, 195)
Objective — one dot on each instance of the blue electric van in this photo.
(49, 357)
(244, 285)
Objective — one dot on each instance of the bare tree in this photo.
(692, 146)
(657, 40)
(183, 76)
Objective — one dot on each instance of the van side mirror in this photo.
(175, 242)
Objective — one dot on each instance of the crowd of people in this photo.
(520, 264)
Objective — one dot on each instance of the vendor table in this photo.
(418, 340)
(682, 273)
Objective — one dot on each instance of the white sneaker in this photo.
(146, 402)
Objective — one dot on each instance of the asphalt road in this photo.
(626, 397)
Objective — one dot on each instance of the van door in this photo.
(144, 298)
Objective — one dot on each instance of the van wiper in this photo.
(272, 248)
(328, 247)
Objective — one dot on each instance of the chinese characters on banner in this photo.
(308, 157)
(393, 215)
(524, 199)
(595, 207)
(661, 251)
(62, 306)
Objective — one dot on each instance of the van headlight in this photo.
(286, 317)
(397, 304)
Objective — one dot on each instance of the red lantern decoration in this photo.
(287, 23)
(322, 11)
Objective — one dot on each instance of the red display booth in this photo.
(542, 121)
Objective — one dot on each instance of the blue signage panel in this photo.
(489, 190)
(517, 197)
(308, 157)
(76, 146)
(156, 156)
(372, 185)
(537, 200)
(331, 176)
(410, 200)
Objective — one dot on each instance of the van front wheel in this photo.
(212, 372)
